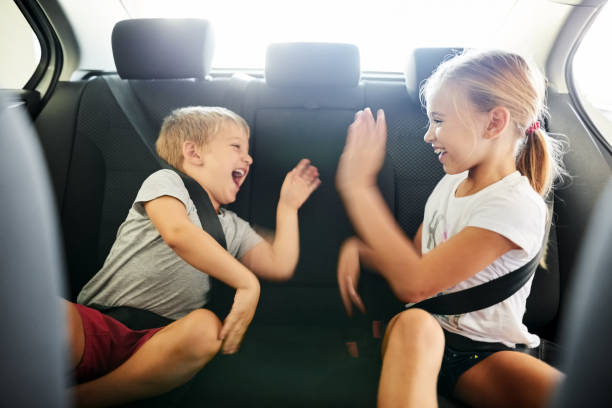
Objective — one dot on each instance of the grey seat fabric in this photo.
(33, 353)
(587, 331)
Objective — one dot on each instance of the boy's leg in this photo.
(76, 335)
(412, 355)
(168, 359)
(508, 379)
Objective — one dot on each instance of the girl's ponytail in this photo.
(534, 161)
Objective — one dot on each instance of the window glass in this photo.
(592, 71)
(385, 31)
(19, 47)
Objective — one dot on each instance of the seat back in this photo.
(33, 353)
(587, 331)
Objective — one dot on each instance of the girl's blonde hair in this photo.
(193, 123)
(499, 78)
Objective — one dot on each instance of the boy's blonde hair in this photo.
(193, 123)
(499, 78)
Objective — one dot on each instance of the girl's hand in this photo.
(299, 184)
(364, 152)
(239, 318)
(348, 275)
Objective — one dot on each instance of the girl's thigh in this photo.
(508, 379)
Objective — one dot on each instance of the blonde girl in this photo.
(485, 218)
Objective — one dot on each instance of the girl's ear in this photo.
(499, 118)
(191, 153)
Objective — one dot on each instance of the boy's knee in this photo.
(418, 326)
(201, 333)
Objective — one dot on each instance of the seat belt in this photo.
(481, 296)
(131, 107)
(489, 293)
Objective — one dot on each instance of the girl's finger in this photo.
(355, 298)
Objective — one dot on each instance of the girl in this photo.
(483, 110)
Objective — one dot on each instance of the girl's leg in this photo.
(412, 354)
(508, 379)
(168, 359)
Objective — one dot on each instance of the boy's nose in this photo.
(248, 159)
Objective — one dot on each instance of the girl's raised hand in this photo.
(364, 152)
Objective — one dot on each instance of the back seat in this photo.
(294, 352)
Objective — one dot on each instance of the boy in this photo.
(161, 260)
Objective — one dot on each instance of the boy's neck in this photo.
(198, 178)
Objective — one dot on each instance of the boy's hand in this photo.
(348, 275)
(299, 184)
(238, 319)
(364, 152)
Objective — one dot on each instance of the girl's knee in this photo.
(417, 326)
(201, 334)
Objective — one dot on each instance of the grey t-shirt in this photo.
(143, 272)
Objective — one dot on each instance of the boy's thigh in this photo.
(107, 343)
(507, 378)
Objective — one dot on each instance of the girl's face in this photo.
(455, 130)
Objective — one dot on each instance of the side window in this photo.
(592, 73)
(19, 47)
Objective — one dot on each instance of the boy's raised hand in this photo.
(364, 151)
(299, 184)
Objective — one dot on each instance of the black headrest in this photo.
(421, 63)
(160, 48)
(312, 64)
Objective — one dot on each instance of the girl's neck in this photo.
(483, 175)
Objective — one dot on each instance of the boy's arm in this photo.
(200, 250)
(277, 260)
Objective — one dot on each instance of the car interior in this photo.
(89, 135)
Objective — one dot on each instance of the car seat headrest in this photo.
(421, 63)
(312, 64)
(160, 48)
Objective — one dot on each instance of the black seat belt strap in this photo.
(480, 296)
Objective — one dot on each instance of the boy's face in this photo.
(226, 163)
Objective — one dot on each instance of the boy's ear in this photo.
(499, 118)
(191, 153)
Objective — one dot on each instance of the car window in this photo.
(385, 32)
(592, 72)
(20, 55)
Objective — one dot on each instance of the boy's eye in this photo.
(237, 146)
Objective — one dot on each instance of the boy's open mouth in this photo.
(238, 175)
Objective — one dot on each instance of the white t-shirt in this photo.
(509, 207)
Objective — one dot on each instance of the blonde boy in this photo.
(162, 257)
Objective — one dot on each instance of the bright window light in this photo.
(384, 31)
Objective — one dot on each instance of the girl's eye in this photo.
(436, 121)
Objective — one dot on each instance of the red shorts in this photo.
(108, 343)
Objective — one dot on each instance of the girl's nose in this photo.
(429, 135)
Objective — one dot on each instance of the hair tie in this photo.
(531, 129)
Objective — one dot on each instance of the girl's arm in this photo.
(395, 256)
(414, 277)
